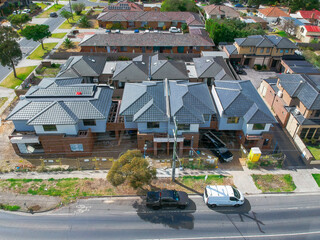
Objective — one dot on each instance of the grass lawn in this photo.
(48, 72)
(42, 5)
(39, 53)
(22, 73)
(54, 8)
(58, 35)
(71, 23)
(274, 183)
(315, 151)
(317, 178)
(2, 101)
(282, 34)
(70, 189)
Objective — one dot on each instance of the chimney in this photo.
(312, 15)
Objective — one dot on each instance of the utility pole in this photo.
(70, 8)
(174, 149)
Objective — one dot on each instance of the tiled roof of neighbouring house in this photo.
(190, 18)
(301, 66)
(124, 6)
(63, 101)
(241, 99)
(273, 12)
(221, 10)
(311, 28)
(265, 41)
(313, 14)
(148, 40)
(147, 101)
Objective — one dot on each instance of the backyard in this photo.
(54, 8)
(40, 53)
(22, 73)
(274, 183)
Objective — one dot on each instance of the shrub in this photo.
(123, 58)
(117, 26)
(84, 22)
(252, 165)
(78, 7)
(67, 43)
(9, 207)
(55, 65)
(257, 67)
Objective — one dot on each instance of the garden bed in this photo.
(274, 183)
(40, 53)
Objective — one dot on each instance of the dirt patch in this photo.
(274, 183)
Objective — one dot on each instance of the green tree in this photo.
(37, 33)
(67, 43)
(19, 19)
(78, 7)
(216, 2)
(179, 6)
(10, 51)
(84, 22)
(133, 168)
(66, 14)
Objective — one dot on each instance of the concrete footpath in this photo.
(242, 179)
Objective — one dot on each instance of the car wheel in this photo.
(182, 207)
(237, 205)
(156, 208)
(212, 205)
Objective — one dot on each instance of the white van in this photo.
(220, 195)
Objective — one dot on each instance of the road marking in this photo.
(239, 237)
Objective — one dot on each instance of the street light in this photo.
(145, 149)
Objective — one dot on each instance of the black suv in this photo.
(167, 198)
(215, 145)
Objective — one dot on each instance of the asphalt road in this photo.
(262, 217)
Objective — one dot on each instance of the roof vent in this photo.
(78, 93)
(296, 111)
(143, 63)
(92, 60)
(208, 60)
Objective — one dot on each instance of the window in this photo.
(153, 124)
(206, 117)
(277, 50)
(281, 50)
(233, 199)
(232, 120)
(89, 122)
(287, 51)
(76, 147)
(268, 50)
(123, 49)
(261, 50)
(160, 24)
(129, 118)
(317, 113)
(143, 24)
(266, 142)
(131, 23)
(49, 128)
(183, 127)
(302, 30)
(311, 132)
(303, 133)
(258, 126)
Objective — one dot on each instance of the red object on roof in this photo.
(78, 93)
(314, 14)
(311, 28)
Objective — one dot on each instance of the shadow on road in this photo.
(171, 217)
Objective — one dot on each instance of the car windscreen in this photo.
(223, 150)
(236, 193)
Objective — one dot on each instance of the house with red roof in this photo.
(272, 14)
(312, 16)
(308, 33)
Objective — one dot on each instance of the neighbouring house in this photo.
(208, 70)
(88, 67)
(155, 7)
(149, 20)
(299, 67)
(150, 108)
(272, 14)
(295, 99)
(263, 50)
(220, 12)
(241, 110)
(312, 16)
(194, 42)
(60, 116)
(254, 19)
(291, 25)
(124, 6)
(308, 33)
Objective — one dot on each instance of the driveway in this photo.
(256, 77)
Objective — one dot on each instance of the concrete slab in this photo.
(256, 77)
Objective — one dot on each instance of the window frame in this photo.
(87, 122)
(255, 126)
(76, 147)
(54, 128)
(183, 127)
(233, 120)
(155, 125)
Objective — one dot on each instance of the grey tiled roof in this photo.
(231, 49)
(84, 66)
(147, 40)
(265, 41)
(54, 102)
(146, 102)
(281, 42)
(241, 99)
(301, 66)
(212, 67)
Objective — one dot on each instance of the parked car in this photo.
(53, 14)
(155, 31)
(167, 198)
(222, 195)
(238, 69)
(16, 12)
(26, 11)
(117, 31)
(174, 30)
(216, 146)
(147, 31)
(108, 31)
(136, 31)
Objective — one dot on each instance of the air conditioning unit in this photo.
(280, 94)
(95, 80)
(296, 112)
